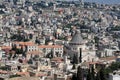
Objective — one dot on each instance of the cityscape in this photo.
(59, 40)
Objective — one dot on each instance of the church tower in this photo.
(80, 49)
(77, 45)
(77, 41)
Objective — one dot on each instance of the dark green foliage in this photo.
(18, 51)
(102, 73)
(116, 28)
(74, 77)
(75, 59)
(79, 73)
(12, 76)
(50, 55)
(88, 75)
(91, 74)
(74, 67)
(80, 55)
(26, 40)
(22, 51)
(30, 61)
(98, 76)
(2, 6)
(37, 41)
(18, 37)
(99, 20)
(115, 66)
(75, 14)
(30, 36)
(96, 39)
(14, 47)
(3, 68)
(68, 25)
(2, 12)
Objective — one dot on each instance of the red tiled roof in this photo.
(6, 47)
(25, 43)
(108, 58)
(41, 74)
(50, 46)
(57, 59)
(3, 72)
(23, 73)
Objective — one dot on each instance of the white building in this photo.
(57, 50)
(114, 77)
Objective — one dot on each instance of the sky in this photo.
(102, 1)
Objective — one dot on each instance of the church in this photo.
(83, 49)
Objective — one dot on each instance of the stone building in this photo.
(80, 47)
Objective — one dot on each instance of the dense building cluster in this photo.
(59, 40)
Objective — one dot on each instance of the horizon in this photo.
(99, 1)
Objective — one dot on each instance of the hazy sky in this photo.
(101, 1)
(105, 1)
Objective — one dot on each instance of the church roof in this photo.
(77, 38)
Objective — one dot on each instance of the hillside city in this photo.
(59, 40)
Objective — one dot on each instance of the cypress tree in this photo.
(75, 59)
(79, 73)
(74, 67)
(74, 77)
(21, 50)
(88, 75)
(92, 73)
(98, 76)
(102, 74)
(80, 55)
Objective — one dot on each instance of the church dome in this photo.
(77, 39)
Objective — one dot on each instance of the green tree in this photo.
(79, 73)
(12, 76)
(74, 67)
(102, 74)
(98, 76)
(91, 74)
(50, 55)
(75, 59)
(96, 39)
(18, 51)
(14, 47)
(74, 77)
(80, 55)
(88, 75)
(115, 66)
